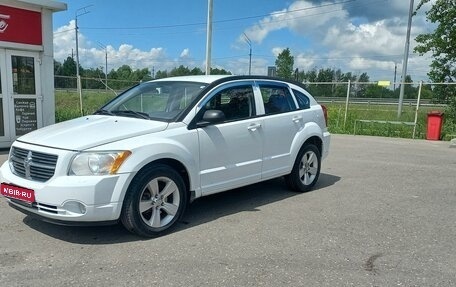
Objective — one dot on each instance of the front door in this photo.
(230, 151)
(23, 92)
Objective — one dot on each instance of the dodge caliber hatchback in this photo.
(146, 154)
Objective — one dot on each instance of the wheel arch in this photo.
(178, 166)
(310, 134)
(316, 141)
(164, 170)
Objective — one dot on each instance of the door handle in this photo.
(254, 127)
(297, 119)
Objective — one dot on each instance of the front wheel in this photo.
(155, 200)
(306, 169)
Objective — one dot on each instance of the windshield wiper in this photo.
(103, 112)
(130, 113)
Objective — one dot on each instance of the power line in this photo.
(222, 21)
(219, 21)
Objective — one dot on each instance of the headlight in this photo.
(98, 163)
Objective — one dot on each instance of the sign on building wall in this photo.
(20, 26)
(25, 115)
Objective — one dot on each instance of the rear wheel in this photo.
(306, 169)
(155, 200)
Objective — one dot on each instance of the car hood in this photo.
(90, 131)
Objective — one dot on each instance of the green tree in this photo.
(325, 76)
(125, 76)
(217, 71)
(69, 67)
(180, 71)
(196, 71)
(409, 91)
(360, 87)
(93, 78)
(66, 73)
(161, 74)
(284, 64)
(442, 44)
(141, 75)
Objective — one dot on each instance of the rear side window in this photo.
(276, 99)
(302, 99)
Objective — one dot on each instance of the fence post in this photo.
(346, 102)
(417, 108)
(79, 85)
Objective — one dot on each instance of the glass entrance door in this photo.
(4, 117)
(24, 92)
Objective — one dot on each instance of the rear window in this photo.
(302, 99)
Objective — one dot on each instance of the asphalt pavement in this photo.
(382, 214)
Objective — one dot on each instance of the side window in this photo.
(302, 99)
(276, 99)
(235, 102)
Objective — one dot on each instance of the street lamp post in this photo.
(79, 12)
(404, 63)
(209, 37)
(247, 39)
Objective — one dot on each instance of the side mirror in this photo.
(211, 117)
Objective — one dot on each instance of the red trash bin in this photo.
(434, 125)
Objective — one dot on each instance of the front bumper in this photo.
(71, 199)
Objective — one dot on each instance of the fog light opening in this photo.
(75, 207)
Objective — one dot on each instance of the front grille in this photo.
(32, 165)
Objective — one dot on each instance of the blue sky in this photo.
(352, 35)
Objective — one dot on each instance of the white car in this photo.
(153, 149)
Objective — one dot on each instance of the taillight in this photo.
(325, 113)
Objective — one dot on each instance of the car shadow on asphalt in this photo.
(201, 211)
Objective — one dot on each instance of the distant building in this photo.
(272, 71)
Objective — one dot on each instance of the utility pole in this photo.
(106, 68)
(404, 63)
(209, 37)
(247, 39)
(79, 12)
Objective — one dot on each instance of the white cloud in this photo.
(64, 41)
(240, 66)
(277, 50)
(374, 39)
(305, 61)
(355, 38)
(185, 54)
(93, 55)
(301, 17)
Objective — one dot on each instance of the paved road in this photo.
(382, 214)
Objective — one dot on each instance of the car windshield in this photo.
(161, 100)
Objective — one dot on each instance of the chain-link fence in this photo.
(69, 83)
(373, 108)
(370, 108)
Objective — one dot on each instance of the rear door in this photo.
(282, 121)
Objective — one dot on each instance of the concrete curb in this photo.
(453, 143)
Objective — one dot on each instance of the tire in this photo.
(155, 200)
(306, 169)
